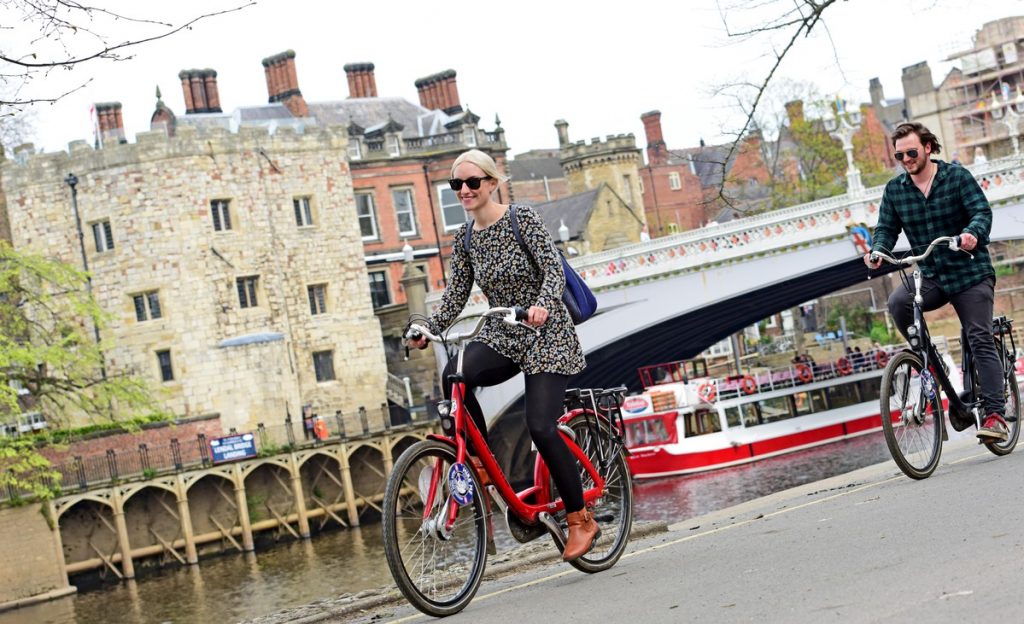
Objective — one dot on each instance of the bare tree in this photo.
(63, 34)
(780, 25)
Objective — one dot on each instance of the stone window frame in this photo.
(371, 215)
(355, 149)
(375, 301)
(102, 235)
(248, 289)
(393, 145)
(323, 366)
(147, 305)
(441, 190)
(408, 191)
(317, 296)
(675, 182)
(165, 365)
(308, 217)
(220, 215)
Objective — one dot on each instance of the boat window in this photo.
(644, 432)
(870, 388)
(702, 422)
(732, 416)
(842, 395)
(774, 409)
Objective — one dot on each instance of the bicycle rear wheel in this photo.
(1011, 396)
(911, 411)
(438, 571)
(613, 512)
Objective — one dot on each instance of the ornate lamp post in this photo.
(843, 126)
(1009, 113)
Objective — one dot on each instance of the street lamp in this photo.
(1009, 113)
(843, 125)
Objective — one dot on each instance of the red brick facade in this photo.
(154, 436)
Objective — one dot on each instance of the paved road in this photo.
(869, 546)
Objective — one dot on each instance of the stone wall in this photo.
(249, 364)
(35, 547)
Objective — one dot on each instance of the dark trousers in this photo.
(483, 366)
(974, 308)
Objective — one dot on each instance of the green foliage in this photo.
(856, 316)
(48, 347)
(1002, 270)
(253, 503)
(148, 473)
(880, 334)
(131, 425)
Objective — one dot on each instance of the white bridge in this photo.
(673, 296)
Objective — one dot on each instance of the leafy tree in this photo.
(50, 361)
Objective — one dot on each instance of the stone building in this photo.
(229, 260)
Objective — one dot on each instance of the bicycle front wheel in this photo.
(437, 570)
(911, 411)
(613, 512)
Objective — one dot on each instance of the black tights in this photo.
(483, 366)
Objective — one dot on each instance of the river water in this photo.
(235, 587)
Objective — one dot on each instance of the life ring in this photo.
(707, 392)
(748, 385)
(805, 373)
(881, 358)
(843, 366)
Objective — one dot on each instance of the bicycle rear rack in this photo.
(602, 409)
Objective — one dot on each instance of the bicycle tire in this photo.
(448, 572)
(613, 511)
(1011, 396)
(915, 439)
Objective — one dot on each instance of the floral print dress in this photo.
(508, 278)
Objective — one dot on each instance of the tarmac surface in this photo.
(868, 546)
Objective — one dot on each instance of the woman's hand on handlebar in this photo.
(536, 316)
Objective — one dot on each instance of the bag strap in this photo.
(515, 232)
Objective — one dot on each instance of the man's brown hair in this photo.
(912, 127)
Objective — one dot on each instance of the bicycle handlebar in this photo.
(512, 316)
(952, 241)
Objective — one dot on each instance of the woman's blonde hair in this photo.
(480, 159)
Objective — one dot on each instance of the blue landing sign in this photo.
(233, 448)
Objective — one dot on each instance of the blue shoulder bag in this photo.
(576, 296)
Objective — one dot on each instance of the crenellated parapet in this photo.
(155, 146)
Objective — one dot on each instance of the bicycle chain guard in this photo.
(460, 484)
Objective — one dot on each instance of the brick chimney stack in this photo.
(199, 86)
(283, 83)
(111, 125)
(439, 91)
(657, 151)
(361, 81)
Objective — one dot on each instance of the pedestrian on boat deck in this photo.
(933, 198)
(510, 278)
(858, 359)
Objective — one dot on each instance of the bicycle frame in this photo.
(466, 432)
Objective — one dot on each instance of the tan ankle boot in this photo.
(582, 533)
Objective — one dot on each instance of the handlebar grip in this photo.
(521, 313)
(413, 334)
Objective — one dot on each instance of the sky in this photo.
(598, 65)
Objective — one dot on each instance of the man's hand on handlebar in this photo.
(968, 241)
(872, 261)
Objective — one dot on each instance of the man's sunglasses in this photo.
(473, 183)
(899, 155)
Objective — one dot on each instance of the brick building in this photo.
(230, 263)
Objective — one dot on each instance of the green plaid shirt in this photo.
(956, 204)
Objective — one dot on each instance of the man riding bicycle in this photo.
(933, 198)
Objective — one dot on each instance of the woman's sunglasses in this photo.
(899, 155)
(473, 183)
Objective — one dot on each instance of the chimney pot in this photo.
(563, 132)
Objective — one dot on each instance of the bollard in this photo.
(341, 425)
(204, 450)
(176, 454)
(386, 415)
(363, 420)
(263, 435)
(112, 464)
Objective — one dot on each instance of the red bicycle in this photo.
(436, 520)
